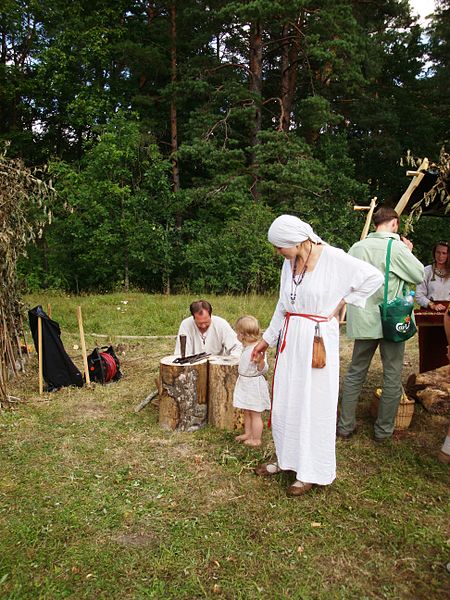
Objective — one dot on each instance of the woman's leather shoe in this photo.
(263, 471)
(299, 490)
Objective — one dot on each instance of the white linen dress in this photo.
(305, 399)
(251, 391)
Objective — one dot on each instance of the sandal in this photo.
(298, 488)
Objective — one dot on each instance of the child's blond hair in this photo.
(248, 327)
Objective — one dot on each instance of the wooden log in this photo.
(222, 376)
(435, 400)
(146, 401)
(432, 389)
(435, 378)
(182, 394)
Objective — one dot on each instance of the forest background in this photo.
(174, 132)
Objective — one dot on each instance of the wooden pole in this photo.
(40, 357)
(366, 227)
(49, 310)
(83, 347)
(401, 204)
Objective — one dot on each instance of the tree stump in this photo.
(182, 394)
(222, 376)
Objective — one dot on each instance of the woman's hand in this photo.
(435, 306)
(338, 311)
(259, 350)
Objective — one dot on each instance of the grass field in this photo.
(96, 501)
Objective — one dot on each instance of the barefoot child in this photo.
(251, 392)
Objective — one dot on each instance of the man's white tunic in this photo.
(219, 338)
(305, 399)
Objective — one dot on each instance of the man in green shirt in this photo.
(364, 326)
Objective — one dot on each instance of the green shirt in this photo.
(365, 323)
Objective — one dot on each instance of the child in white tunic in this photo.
(251, 392)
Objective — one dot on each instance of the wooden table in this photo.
(432, 339)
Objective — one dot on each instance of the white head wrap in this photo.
(287, 231)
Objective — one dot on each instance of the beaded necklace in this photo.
(442, 273)
(297, 279)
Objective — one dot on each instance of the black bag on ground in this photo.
(58, 368)
(103, 365)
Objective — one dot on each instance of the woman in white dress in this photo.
(316, 281)
(251, 393)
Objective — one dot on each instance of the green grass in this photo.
(144, 314)
(96, 501)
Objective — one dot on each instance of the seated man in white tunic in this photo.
(207, 333)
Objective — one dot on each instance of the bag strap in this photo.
(386, 276)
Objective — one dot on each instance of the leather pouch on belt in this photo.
(319, 354)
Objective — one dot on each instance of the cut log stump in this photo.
(182, 394)
(222, 376)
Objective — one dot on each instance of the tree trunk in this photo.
(291, 42)
(151, 13)
(126, 271)
(256, 90)
(222, 376)
(182, 394)
(173, 105)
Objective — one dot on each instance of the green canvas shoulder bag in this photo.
(397, 314)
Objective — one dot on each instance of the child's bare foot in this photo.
(242, 437)
(251, 442)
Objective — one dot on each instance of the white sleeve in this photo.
(422, 289)
(273, 331)
(365, 280)
(232, 345)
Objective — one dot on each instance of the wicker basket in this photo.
(404, 413)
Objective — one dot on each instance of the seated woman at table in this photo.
(434, 291)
